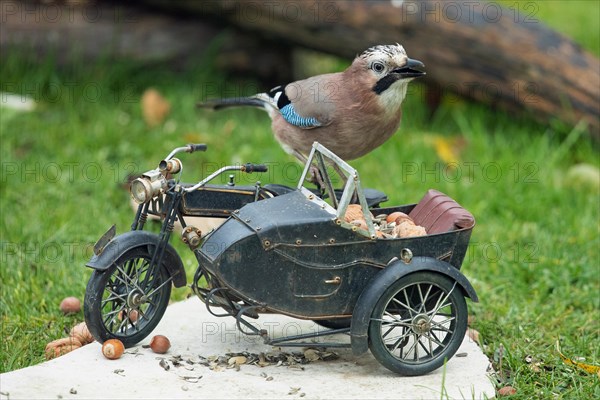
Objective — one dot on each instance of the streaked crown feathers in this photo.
(389, 51)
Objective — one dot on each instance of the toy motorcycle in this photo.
(291, 251)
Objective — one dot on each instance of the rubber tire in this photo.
(377, 345)
(336, 323)
(94, 294)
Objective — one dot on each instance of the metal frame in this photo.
(352, 186)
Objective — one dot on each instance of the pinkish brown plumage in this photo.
(350, 112)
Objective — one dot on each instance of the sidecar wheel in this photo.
(118, 305)
(337, 323)
(418, 323)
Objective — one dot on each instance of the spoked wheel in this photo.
(418, 323)
(126, 301)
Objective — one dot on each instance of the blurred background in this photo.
(506, 122)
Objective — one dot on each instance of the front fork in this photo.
(170, 209)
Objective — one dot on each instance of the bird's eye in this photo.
(378, 67)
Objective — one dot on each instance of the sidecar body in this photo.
(295, 254)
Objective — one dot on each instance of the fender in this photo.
(395, 270)
(129, 240)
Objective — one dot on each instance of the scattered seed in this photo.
(192, 379)
(237, 360)
(164, 364)
(119, 372)
(294, 390)
(293, 360)
(73, 391)
(311, 355)
(269, 378)
(461, 354)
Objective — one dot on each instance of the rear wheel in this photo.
(126, 301)
(418, 323)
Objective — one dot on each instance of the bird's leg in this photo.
(317, 179)
(315, 174)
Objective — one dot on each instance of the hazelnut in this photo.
(70, 305)
(113, 349)
(398, 217)
(160, 344)
(507, 391)
(132, 315)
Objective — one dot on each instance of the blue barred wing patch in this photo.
(290, 115)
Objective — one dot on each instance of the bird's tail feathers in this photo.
(219, 104)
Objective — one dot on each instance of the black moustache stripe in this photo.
(384, 83)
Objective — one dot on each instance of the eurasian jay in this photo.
(350, 112)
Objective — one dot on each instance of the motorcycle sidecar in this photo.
(294, 254)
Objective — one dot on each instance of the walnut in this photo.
(58, 347)
(354, 212)
(408, 228)
(82, 333)
(78, 337)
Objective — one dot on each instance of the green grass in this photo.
(533, 259)
(578, 19)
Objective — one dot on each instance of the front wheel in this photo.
(418, 323)
(126, 301)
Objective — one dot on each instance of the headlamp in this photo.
(148, 186)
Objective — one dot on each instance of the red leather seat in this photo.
(438, 213)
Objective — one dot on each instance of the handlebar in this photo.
(249, 168)
(188, 148)
(196, 147)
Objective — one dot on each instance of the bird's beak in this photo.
(410, 69)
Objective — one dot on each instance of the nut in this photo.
(361, 223)
(397, 217)
(408, 229)
(131, 315)
(507, 391)
(353, 212)
(70, 305)
(160, 344)
(82, 334)
(113, 349)
(58, 347)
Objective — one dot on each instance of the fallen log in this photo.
(476, 49)
(91, 31)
